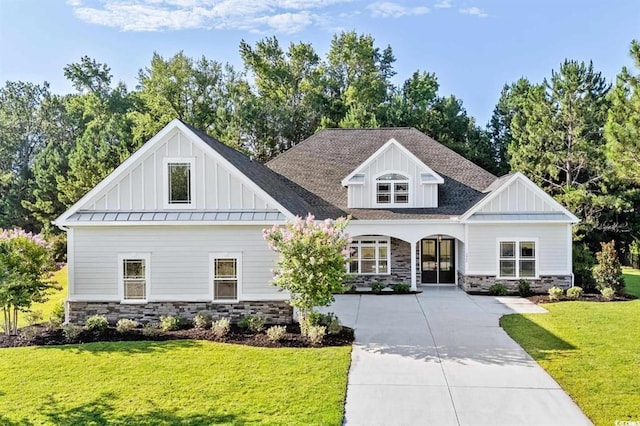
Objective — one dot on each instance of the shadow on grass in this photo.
(102, 412)
(132, 347)
(536, 340)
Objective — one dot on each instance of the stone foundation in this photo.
(481, 283)
(273, 312)
(400, 267)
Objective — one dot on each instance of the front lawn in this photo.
(174, 382)
(591, 349)
(632, 281)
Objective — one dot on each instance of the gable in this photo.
(518, 198)
(140, 183)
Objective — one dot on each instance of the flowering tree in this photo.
(25, 266)
(311, 266)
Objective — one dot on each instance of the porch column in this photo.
(414, 266)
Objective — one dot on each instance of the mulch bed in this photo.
(587, 297)
(41, 335)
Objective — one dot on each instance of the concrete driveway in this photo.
(440, 358)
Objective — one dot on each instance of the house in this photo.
(177, 228)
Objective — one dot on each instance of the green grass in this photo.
(632, 281)
(174, 382)
(592, 350)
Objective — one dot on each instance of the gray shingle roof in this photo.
(317, 166)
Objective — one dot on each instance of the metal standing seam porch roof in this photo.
(173, 216)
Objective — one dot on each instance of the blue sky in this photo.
(473, 46)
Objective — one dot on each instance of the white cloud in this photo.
(444, 4)
(287, 23)
(395, 10)
(476, 11)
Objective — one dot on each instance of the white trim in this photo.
(77, 224)
(146, 256)
(392, 141)
(192, 183)
(283, 296)
(570, 251)
(516, 259)
(414, 264)
(410, 190)
(357, 241)
(526, 181)
(178, 126)
(226, 255)
(71, 263)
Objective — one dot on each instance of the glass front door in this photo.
(438, 261)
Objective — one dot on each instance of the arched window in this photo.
(392, 188)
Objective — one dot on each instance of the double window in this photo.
(134, 277)
(369, 255)
(392, 188)
(225, 275)
(517, 259)
(179, 182)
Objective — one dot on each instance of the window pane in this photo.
(225, 289)
(402, 187)
(384, 187)
(382, 266)
(368, 253)
(133, 268)
(179, 183)
(507, 249)
(368, 266)
(507, 268)
(527, 268)
(392, 176)
(401, 198)
(353, 266)
(134, 289)
(527, 249)
(225, 268)
(382, 252)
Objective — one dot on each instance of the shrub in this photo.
(253, 323)
(574, 292)
(608, 293)
(151, 329)
(97, 323)
(377, 287)
(332, 322)
(329, 321)
(33, 317)
(57, 315)
(583, 262)
(555, 293)
(402, 288)
(276, 333)
(71, 332)
(202, 320)
(524, 288)
(123, 325)
(171, 323)
(221, 327)
(29, 333)
(316, 333)
(498, 290)
(608, 271)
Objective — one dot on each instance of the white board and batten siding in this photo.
(179, 268)
(142, 186)
(393, 160)
(518, 198)
(553, 248)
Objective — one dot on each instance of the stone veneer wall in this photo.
(273, 312)
(400, 267)
(481, 283)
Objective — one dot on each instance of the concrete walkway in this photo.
(440, 358)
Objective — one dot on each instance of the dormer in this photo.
(393, 177)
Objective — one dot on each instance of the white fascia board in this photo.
(499, 222)
(392, 141)
(518, 176)
(173, 223)
(132, 160)
(453, 219)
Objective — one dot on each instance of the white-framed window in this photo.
(134, 272)
(392, 189)
(226, 276)
(518, 258)
(370, 256)
(179, 182)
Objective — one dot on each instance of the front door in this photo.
(438, 261)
